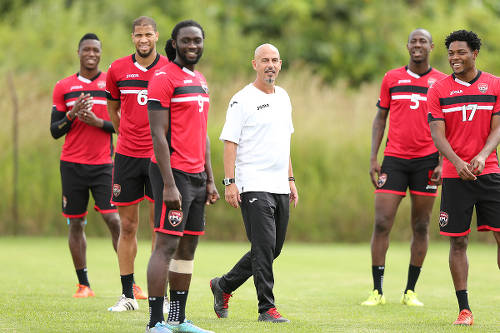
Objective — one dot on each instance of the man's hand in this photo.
(81, 103)
(212, 194)
(464, 170)
(477, 164)
(172, 197)
(374, 171)
(436, 175)
(294, 195)
(232, 195)
(89, 118)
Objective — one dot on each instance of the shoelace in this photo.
(226, 298)
(274, 313)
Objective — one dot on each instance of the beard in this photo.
(144, 54)
(188, 61)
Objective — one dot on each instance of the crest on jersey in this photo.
(175, 217)
(431, 81)
(482, 87)
(443, 219)
(101, 84)
(117, 189)
(64, 201)
(381, 180)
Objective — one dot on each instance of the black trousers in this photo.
(266, 219)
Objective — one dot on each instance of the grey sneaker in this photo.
(272, 316)
(221, 299)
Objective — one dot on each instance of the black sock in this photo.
(82, 276)
(177, 312)
(413, 273)
(127, 282)
(463, 299)
(378, 278)
(155, 310)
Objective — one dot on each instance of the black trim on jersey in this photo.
(424, 74)
(93, 93)
(59, 123)
(92, 79)
(108, 96)
(189, 90)
(152, 64)
(381, 107)
(412, 89)
(473, 80)
(180, 66)
(468, 99)
(431, 118)
(496, 113)
(133, 83)
(155, 106)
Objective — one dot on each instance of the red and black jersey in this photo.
(84, 144)
(466, 108)
(127, 82)
(404, 94)
(185, 93)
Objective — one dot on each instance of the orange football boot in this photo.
(83, 291)
(464, 318)
(138, 293)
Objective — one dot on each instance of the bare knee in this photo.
(421, 227)
(187, 247)
(382, 225)
(166, 245)
(458, 244)
(76, 226)
(128, 227)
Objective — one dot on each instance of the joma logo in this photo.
(260, 107)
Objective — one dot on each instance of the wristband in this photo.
(69, 118)
(291, 179)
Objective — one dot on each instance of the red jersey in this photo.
(466, 108)
(185, 93)
(84, 144)
(127, 82)
(404, 94)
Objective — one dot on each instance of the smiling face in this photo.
(144, 38)
(419, 46)
(188, 45)
(90, 54)
(461, 58)
(267, 64)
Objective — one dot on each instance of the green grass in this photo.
(318, 287)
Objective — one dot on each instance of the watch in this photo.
(227, 181)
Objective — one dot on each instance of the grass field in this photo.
(318, 286)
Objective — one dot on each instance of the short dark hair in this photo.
(88, 36)
(169, 49)
(470, 37)
(144, 20)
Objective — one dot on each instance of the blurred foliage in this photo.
(334, 52)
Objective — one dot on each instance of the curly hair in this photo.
(470, 37)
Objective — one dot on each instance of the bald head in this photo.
(420, 31)
(265, 48)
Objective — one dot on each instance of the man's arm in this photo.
(114, 113)
(158, 123)
(212, 194)
(232, 194)
(294, 195)
(438, 128)
(478, 162)
(378, 129)
(60, 122)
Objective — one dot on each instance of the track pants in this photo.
(266, 219)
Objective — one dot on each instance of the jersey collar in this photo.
(467, 84)
(85, 80)
(415, 75)
(145, 69)
(184, 69)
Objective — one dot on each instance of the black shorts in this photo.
(193, 189)
(77, 179)
(398, 174)
(458, 198)
(131, 180)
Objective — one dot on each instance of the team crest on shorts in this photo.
(482, 87)
(64, 201)
(117, 189)
(443, 219)
(381, 180)
(175, 217)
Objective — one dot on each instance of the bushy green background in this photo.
(334, 53)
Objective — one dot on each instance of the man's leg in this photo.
(459, 268)
(78, 248)
(112, 220)
(159, 262)
(152, 224)
(497, 237)
(127, 246)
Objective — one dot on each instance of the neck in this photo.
(179, 61)
(88, 73)
(145, 62)
(266, 88)
(467, 76)
(419, 68)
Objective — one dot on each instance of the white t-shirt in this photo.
(261, 125)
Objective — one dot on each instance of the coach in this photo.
(256, 139)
